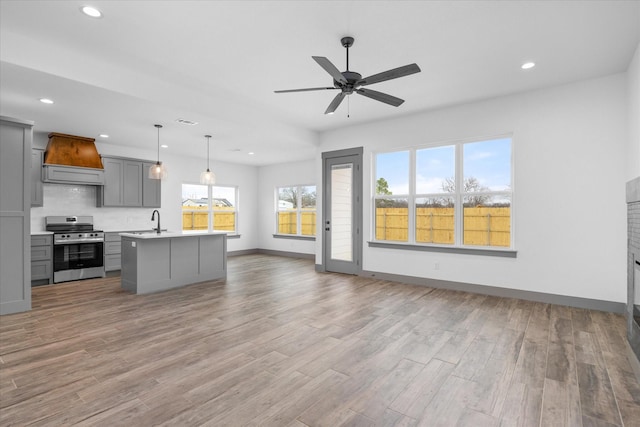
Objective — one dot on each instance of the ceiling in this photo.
(218, 63)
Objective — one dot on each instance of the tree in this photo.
(382, 187)
(290, 194)
(470, 185)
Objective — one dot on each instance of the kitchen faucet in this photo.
(153, 218)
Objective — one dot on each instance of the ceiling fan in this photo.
(349, 82)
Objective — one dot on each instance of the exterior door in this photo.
(342, 211)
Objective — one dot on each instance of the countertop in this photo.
(171, 234)
(41, 233)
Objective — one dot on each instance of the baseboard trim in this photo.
(287, 254)
(271, 252)
(577, 302)
(242, 252)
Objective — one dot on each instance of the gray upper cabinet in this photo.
(150, 188)
(111, 194)
(36, 177)
(127, 184)
(15, 215)
(132, 189)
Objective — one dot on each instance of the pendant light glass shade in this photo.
(158, 171)
(207, 177)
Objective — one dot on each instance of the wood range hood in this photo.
(71, 159)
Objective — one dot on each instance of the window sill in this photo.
(294, 237)
(233, 236)
(504, 253)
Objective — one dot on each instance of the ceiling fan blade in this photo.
(304, 90)
(334, 104)
(382, 97)
(330, 68)
(390, 74)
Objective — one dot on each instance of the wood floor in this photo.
(278, 344)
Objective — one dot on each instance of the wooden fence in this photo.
(288, 222)
(196, 218)
(483, 226)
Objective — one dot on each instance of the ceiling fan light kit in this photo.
(349, 82)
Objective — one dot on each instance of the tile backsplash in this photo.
(61, 199)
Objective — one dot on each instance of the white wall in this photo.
(81, 199)
(281, 175)
(569, 213)
(633, 151)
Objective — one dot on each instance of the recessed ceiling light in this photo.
(46, 101)
(103, 135)
(528, 65)
(164, 146)
(91, 11)
(251, 153)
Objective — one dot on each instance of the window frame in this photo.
(458, 196)
(299, 211)
(211, 211)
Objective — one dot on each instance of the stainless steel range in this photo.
(78, 249)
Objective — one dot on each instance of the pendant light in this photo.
(207, 177)
(158, 171)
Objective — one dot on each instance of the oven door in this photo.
(76, 256)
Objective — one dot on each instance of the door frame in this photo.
(357, 203)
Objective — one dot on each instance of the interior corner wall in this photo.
(633, 83)
(281, 175)
(186, 170)
(569, 147)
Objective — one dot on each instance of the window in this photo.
(296, 210)
(209, 207)
(453, 195)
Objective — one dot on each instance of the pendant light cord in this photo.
(158, 127)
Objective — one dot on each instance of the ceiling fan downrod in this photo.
(347, 42)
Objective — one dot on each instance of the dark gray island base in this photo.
(155, 262)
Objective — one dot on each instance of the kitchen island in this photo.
(154, 262)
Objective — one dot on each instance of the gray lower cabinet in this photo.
(37, 155)
(127, 184)
(15, 215)
(41, 259)
(112, 251)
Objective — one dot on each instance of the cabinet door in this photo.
(15, 205)
(150, 188)
(36, 177)
(112, 191)
(132, 179)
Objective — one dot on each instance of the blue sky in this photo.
(488, 161)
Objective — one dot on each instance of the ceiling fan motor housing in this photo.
(352, 79)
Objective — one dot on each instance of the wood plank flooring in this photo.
(278, 344)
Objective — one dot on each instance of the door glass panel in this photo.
(341, 212)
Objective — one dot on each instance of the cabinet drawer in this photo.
(112, 248)
(41, 270)
(112, 262)
(41, 240)
(112, 237)
(41, 253)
